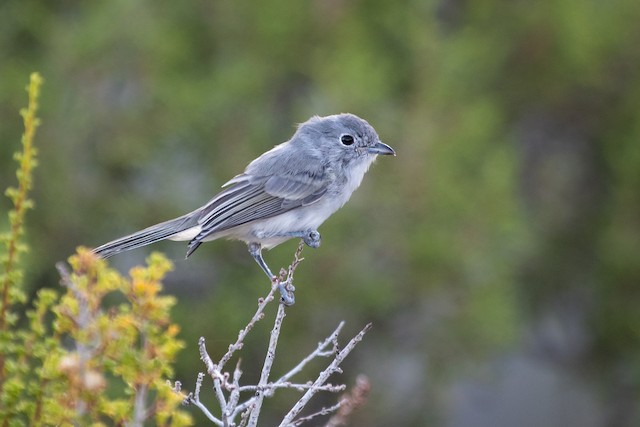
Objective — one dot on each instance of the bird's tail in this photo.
(155, 233)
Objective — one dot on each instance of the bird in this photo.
(285, 193)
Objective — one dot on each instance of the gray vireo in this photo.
(287, 192)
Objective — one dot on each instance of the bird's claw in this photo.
(312, 238)
(286, 289)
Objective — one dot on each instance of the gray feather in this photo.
(147, 236)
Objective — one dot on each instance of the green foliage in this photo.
(16, 348)
(11, 292)
(115, 371)
(130, 345)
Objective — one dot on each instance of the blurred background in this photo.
(498, 255)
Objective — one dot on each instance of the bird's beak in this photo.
(381, 148)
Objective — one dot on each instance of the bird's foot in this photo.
(286, 289)
(312, 238)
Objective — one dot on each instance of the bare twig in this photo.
(350, 402)
(194, 399)
(227, 387)
(235, 393)
(323, 411)
(317, 352)
(297, 259)
(271, 387)
(244, 418)
(266, 368)
(139, 406)
(204, 356)
(323, 377)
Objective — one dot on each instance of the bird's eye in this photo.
(346, 139)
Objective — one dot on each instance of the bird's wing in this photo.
(248, 198)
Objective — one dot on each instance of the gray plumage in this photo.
(287, 192)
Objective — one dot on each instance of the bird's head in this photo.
(343, 138)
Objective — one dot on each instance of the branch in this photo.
(27, 159)
(266, 368)
(350, 402)
(323, 411)
(228, 392)
(194, 399)
(333, 338)
(323, 377)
